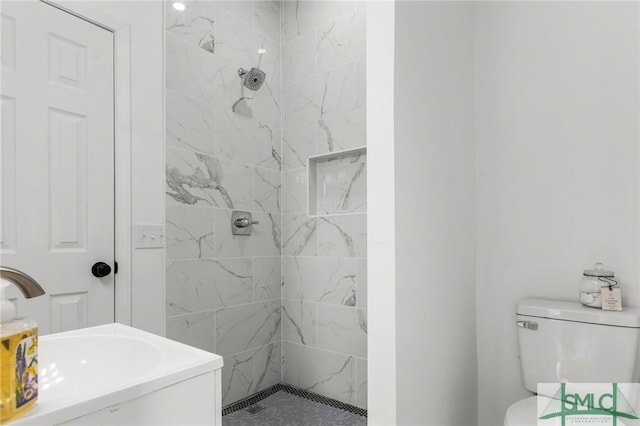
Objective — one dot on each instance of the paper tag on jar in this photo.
(611, 299)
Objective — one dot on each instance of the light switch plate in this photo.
(149, 236)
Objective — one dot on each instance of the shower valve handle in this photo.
(243, 222)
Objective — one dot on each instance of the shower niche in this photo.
(337, 182)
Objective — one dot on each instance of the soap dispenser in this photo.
(18, 360)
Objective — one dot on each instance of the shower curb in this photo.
(259, 396)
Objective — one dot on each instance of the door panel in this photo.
(57, 162)
(8, 231)
(67, 183)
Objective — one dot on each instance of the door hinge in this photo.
(115, 267)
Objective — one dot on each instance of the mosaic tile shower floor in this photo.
(285, 409)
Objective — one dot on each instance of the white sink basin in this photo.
(87, 370)
(70, 365)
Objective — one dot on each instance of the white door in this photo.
(57, 159)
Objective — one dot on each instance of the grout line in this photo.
(290, 256)
(224, 159)
(169, 204)
(219, 308)
(215, 337)
(253, 279)
(223, 258)
(317, 326)
(280, 299)
(324, 350)
(339, 305)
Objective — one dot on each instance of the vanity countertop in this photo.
(86, 370)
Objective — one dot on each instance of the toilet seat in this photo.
(522, 413)
(525, 413)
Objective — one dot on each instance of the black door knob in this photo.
(100, 269)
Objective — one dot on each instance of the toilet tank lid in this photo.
(575, 311)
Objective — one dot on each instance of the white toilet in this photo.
(569, 342)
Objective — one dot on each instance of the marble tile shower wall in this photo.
(289, 302)
(324, 317)
(223, 292)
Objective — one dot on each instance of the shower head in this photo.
(253, 78)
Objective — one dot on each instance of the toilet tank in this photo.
(568, 342)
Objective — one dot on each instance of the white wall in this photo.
(557, 166)
(145, 21)
(435, 214)
(381, 285)
(148, 150)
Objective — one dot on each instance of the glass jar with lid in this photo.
(592, 281)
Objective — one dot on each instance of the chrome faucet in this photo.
(27, 285)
